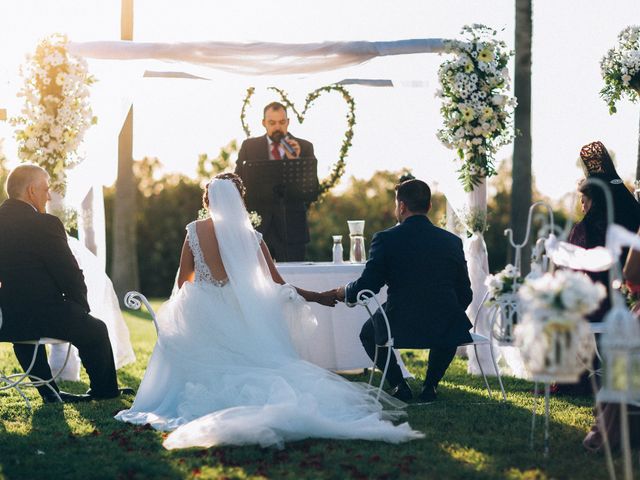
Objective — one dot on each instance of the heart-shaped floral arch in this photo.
(337, 170)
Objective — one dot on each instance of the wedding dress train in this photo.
(226, 371)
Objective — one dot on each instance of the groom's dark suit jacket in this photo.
(428, 284)
(297, 230)
(40, 281)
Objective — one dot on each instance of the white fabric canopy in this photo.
(257, 58)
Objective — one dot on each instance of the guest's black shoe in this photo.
(428, 394)
(50, 397)
(119, 392)
(65, 397)
(402, 392)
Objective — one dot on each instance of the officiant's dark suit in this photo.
(428, 284)
(285, 233)
(43, 294)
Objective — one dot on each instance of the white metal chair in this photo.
(18, 381)
(134, 301)
(365, 297)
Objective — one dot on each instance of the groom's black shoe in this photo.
(65, 397)
(119, 392)
(428, 394)
(402, 391)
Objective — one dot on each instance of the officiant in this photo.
(284, 223)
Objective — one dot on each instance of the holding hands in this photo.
(331, 297)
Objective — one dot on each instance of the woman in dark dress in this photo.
(591, 232)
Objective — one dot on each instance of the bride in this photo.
(225, 369)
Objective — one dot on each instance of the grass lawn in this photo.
(467, 436)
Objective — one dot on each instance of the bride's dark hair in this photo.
(223, 176)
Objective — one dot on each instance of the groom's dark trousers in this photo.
(428, 292)
(43, 294)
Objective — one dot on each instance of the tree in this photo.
(521, 192)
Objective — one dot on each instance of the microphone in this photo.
(286, 146)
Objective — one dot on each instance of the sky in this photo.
(176, 119)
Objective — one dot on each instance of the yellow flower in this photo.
(468, 68)
(487, 113)
(485, 55)
(467, 114)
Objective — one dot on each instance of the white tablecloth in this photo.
(335, 344)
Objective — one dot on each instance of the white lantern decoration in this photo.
(504, 318)
(621, 356)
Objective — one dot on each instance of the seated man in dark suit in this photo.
(428, 290)
(42, 290)
(285, 233)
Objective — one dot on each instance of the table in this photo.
(335, 344)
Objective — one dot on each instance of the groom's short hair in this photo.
(415, 194)
(21, 177)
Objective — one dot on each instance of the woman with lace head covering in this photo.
(590, 232)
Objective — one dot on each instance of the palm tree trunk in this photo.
(124, 267)
(521, 196)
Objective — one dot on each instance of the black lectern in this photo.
(276, 183)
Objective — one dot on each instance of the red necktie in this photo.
(275, 151)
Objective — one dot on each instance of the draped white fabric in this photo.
(597, 259)
(470, 210)
(257, 58)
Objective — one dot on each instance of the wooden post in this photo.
(124, 266)
(521, 187)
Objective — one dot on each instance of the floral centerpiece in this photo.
(620, 69)
(554, 337)
(476, 106)
(56, 112)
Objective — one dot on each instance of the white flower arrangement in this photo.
(620, 69)
(476, 106)
(554, 338)
(56, 112)
(564, 296)
(507, 281)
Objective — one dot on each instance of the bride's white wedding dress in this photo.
(225, 369)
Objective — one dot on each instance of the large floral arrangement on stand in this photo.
(620, 69)
(476, 106)
(554, 338)
(56, 112)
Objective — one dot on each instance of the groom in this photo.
(42, 289)
(428, 290)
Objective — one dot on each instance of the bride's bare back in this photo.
(206, 238)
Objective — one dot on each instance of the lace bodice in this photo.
(203, 274)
